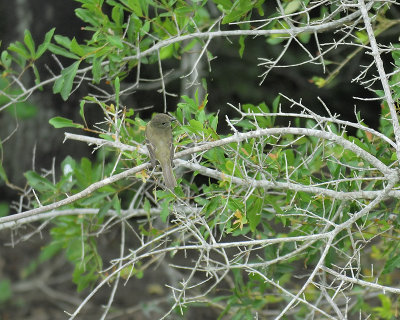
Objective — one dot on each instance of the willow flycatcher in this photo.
(159, 143)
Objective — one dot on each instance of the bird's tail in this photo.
(168, 174)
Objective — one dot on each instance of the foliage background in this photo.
(284, 210)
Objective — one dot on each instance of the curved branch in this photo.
(238, 137)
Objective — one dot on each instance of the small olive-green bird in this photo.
(159, 143)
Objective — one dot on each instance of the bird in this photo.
(159, 142)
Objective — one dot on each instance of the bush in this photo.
(291, 221)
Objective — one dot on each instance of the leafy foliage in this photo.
(281, 213)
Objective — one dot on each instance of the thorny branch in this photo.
(191, 231)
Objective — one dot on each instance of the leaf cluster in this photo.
(267, 186)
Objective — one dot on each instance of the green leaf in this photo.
(59, 51)
(19, 48)
(4, 209)
(241, 43)
(117, 14)
(74, 246)
(96, 70)
(68, 165)
(94, 200)
(44, 46)
(76, 48)
(147, 206)
(30, 44)
(82, 110)
(189, 46)
(304, 37)
(38, 182)
(239, 10)
(6, 59)
(64, 41)
(87, 16)
(195, 126)
(50, 251)
(167, 52)
(135, 6)
(60, 122)
(84, 275)
(223, 4)
(104, 209)
(234, 205)
(253, 214)
(37, 75)
(63, 84)
(116, 88)
(5, 290)
(164, 211)
(116, 202)
(361, 36)
(115, 41)
(292, 6)
(229, 165)
(359, 143)
(84, 173)
(214, 123)
(384, 312)
(188, 104)
(392, 263)
(275, 104)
